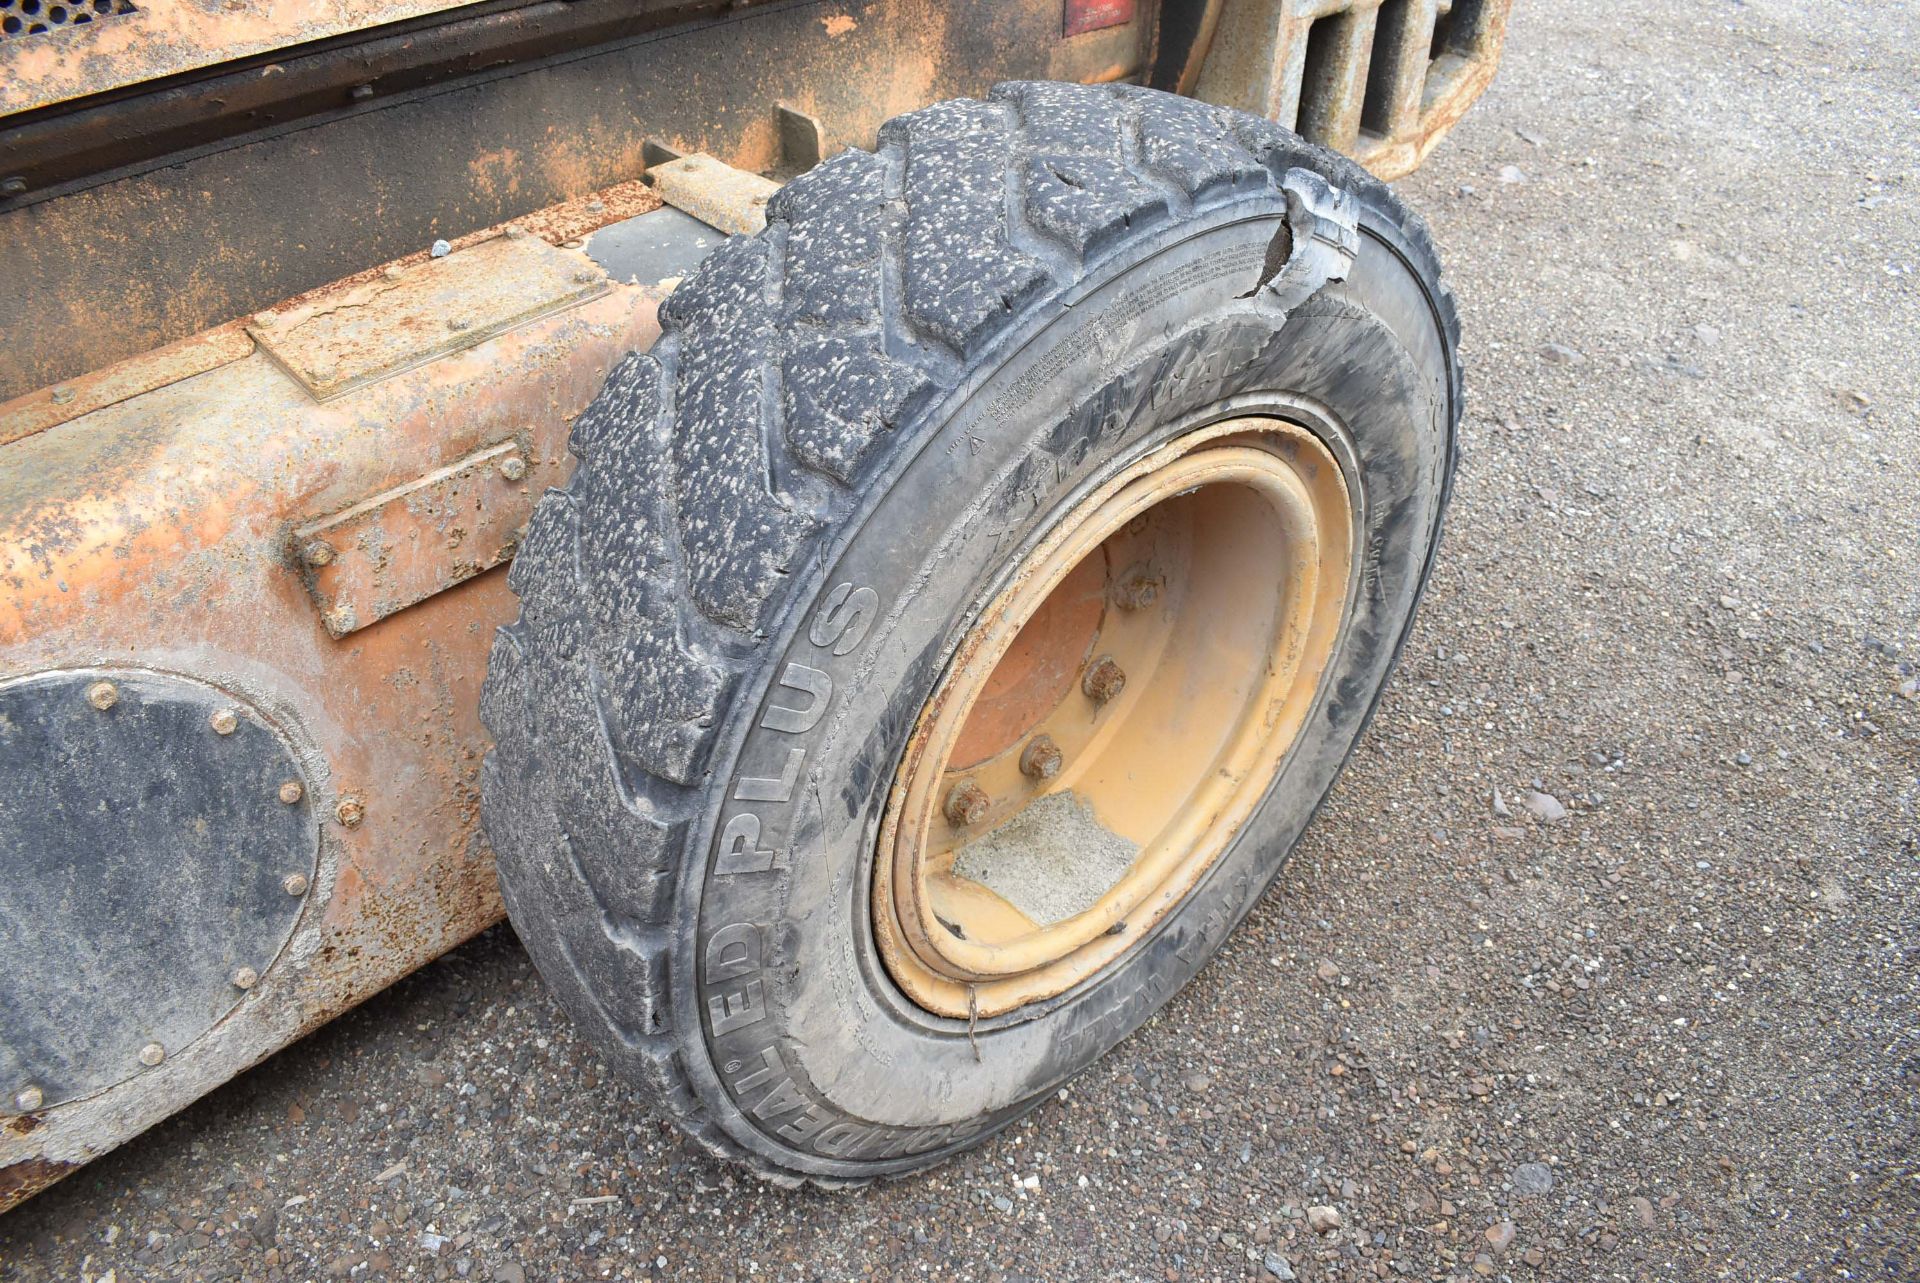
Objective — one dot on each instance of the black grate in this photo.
(31, 17)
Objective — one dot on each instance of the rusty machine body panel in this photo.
(269, 440)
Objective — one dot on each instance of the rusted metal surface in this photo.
(166, 37)
(176, 237)
(1382, 80)
(717, 194)
(405, 545)
(49, 407)
(408, 315)
(154, 533)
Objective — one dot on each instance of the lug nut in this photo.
(291, 792)
(350, 811)
(294, 884)
(967, 803)
(1041, 759)
(152, 1054)
(1137, 593)
(63, 396)
(103, 695)
(224, 721)
(28, 1099)
(318, 552)
(513, 467)
(245, 978)
(1104, 680)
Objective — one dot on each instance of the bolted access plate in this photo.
(145, 858)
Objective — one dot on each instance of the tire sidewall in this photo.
(806, 1053)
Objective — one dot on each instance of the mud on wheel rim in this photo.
(1114, 716)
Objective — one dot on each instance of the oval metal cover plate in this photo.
(143, 857)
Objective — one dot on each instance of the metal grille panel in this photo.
(1381, 80)
(20, 18)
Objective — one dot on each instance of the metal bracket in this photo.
(407, 544)
(1324, 222)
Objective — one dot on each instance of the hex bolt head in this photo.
(245, 978)
(291, 792)
(103, 695)
(1041, 759)
(152, 1054)
(513, 467)
(458, 323)
(1137, 592)
(1104, 680)
(13, 185)
(224, 721)
(967, 803)
(317, 552)
(350, 811)
(63, 396)
(294, 884)
(28, 1099)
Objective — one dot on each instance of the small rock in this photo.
(1642, 1211)
(1531, 138)
(1327, 971)
(1277, 1266)
(1534, 1256)
(1706, 335)
(440, 250)
(1530, 1179)
(1500, 806)
(1560, 354)
(1323, 1220)
(1197, 1081)
(1002, 1203)
(1500, 1235)
(1544, 806)
(1512, 174)
(1743, 758)
(510, 1272)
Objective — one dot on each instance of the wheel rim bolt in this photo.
(1104, 680)
(967, 803)
(152, 1054)
(291, 792)
(223, 721)
(245, 978)
(28, 1099)
(294, 884)
(1137, 593)
(1041, 759)
(103, 695)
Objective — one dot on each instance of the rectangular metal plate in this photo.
(1097, 15)
(407, 544)
(414, 314)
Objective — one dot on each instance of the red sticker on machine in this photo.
(1097, 15)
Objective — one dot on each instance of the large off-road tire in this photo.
(1092, 369)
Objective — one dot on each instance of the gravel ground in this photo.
(1601, 963)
